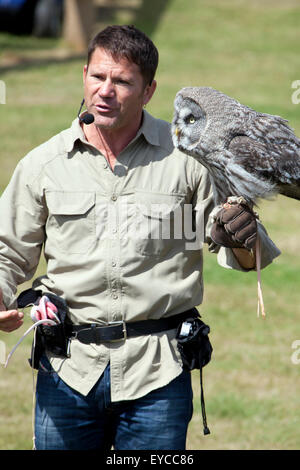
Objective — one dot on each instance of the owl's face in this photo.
(188, 124)
(205, 121)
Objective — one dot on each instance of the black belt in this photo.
(116, 331)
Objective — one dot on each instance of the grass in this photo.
(249, 50)
(14, 45)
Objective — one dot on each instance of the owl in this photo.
(248, 154)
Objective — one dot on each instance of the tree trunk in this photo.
(78, 23)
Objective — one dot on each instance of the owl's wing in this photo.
(270, 163)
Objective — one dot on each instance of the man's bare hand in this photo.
(10, 320)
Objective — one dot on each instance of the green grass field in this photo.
(249, 50)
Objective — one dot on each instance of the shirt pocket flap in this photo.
(69, 203)
(157, 205)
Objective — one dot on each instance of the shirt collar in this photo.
(71, 135)
(148, 129)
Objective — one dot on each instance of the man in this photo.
(92, 197)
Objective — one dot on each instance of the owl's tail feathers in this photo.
(290, 190)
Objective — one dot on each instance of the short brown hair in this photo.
(130, 43)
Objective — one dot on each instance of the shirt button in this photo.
(114, 197)
(114, 296)
(113, 263)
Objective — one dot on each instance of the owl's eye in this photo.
(190, 119)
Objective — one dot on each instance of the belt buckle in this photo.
(114, 323)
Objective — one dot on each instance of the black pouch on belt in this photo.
(51, 338)
(195, 349)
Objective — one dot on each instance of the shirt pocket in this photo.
(158, 222)
(71, 221)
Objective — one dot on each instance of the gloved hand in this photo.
(235, 227)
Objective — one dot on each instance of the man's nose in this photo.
(107, 89)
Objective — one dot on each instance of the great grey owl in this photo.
(247, 153)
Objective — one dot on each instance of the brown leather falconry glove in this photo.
(235, 227)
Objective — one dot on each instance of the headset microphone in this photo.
(88, 118)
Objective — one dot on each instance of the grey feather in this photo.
(247, 153)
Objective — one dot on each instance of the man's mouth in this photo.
(103, 108)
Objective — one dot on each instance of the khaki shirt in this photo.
(119, 245)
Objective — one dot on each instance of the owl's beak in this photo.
(177, 132)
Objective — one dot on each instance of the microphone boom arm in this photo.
(88, 118)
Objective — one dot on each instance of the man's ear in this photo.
(149, 91)
(85, 69)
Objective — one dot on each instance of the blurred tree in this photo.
(78, 23)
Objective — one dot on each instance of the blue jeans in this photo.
(67, 420)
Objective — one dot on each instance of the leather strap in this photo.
(117, 331)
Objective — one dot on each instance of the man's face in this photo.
(115, 92)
